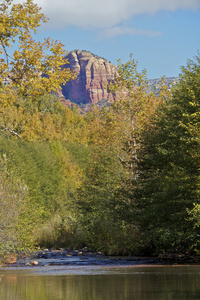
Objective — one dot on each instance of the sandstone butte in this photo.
(93, 74)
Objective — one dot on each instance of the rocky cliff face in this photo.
(93, 73)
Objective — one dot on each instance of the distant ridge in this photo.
(170, 81)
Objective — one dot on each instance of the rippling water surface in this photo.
(100, 283)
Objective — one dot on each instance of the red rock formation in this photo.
(93, 73)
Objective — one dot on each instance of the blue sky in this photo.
(161, 34)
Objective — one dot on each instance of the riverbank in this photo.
(84, 257)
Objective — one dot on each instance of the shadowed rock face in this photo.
(93, 73)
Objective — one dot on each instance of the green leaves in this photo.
(17, 215)
(169, 169)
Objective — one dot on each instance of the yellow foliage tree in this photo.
(120, 126)
(35, 67)
(33, 71)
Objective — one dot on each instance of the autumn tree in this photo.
(25, 67)
(120, 125)
(30, 71)
(105, 200)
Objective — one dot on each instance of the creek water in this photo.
(148, 282)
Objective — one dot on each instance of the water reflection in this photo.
(133, 283)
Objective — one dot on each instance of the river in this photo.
(141, 282)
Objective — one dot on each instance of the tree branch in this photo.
(13, 132)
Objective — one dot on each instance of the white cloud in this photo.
(117, 31)
(105, 13)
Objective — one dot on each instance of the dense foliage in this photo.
(168, 184)
(16, 214)
(122, 179)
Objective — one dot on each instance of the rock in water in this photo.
(34, 263)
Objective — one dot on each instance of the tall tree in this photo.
(115, 135)
(24, 68)
(132, 110)
(168, 182)
(101, 225)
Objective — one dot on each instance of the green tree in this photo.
(169, 169)
(38, 166)
(102, 225)
(17, 215)
(52, 172)
(115, 135)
